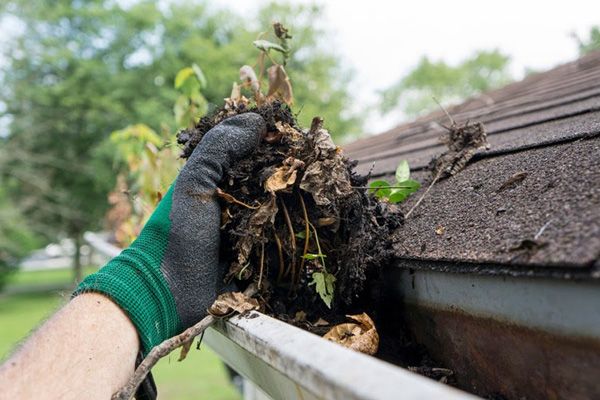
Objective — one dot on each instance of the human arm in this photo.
(86, 350)
(167, 278)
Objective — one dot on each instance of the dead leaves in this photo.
(230, 302)
(360, 335)
(329, 163)
(279, 84)
(284, 176)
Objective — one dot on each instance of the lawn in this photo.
(200, 376)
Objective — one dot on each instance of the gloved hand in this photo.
(170, 275)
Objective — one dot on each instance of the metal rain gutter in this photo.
(286, 362)
(512, 336)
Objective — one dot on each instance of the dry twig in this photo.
(128, 391)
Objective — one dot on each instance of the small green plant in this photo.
(323, 280)
(399, 190)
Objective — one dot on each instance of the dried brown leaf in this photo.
(300, 316)
(230, 302)
(330, 163)
(279, 84)
(288, 131)
(284, 176)
(360, 335)
(280, 180)
(265, 213)
(248, 76)
(321, 322)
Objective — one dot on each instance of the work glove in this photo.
(170, 275)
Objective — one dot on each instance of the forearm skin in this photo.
(86, 350)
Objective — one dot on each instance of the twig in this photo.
(262, 261)
(321, 255)
(382, 187)
(128, 391)
(444, 110)
(542, 229)
(280, 253)
(306, 234)
(230, 199)
(424, 194)
(288, 221)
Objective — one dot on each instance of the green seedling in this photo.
(400, 189)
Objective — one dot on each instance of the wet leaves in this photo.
(230, 302)
(359, 335)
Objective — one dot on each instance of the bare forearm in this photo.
(86, 350)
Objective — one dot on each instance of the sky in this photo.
(381, 40)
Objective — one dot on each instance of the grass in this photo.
(45, 277)
(201, 375)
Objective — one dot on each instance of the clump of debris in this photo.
(296, 219)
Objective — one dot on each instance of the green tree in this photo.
(416, 93)
(588, 44)
(83, 69)
(16, 239)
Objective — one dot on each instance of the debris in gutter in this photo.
(359, 335)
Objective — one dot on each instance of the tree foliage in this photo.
(415, 93)
(83, 69)
(590, 43)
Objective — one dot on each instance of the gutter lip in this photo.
(319, 367)
(589, 272)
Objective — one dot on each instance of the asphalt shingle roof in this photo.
(545, 131)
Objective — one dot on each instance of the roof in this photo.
(531, 202)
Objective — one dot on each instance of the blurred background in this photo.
(92, 93)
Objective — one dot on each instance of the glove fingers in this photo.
(190, 266)
(231, 140)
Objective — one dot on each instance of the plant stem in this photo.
(306, 234)
(321, 255)
(382, 187)
(280, 253)
(288, 221)
(262, 261)
(424, 194)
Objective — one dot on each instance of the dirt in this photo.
(296, 180)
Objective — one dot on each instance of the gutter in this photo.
(285, 362)
(530, 337)
(280, 361)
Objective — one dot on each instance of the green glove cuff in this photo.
(134, 281)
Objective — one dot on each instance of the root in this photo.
(230, 199)
(280, 254)
(262, 262)
(288, 221)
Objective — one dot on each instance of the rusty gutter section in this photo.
(509, 337)
(285, 362)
